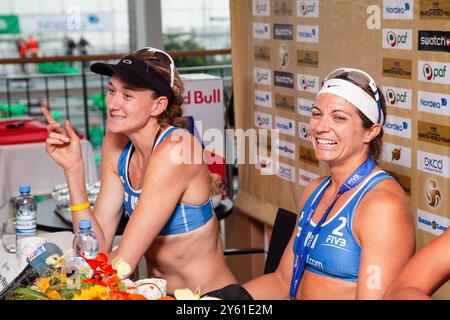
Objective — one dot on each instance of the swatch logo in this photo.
(434, 41)
(433, 193)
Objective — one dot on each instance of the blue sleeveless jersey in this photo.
(335, 252)
(184, 218)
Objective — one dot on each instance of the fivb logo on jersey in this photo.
(397, 97)
(398, 9)
(308, 8)
(397, 39)
(432, 71)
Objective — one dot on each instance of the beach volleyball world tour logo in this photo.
(432, 193)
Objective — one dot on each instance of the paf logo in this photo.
(262, 76)
(430, 71)
(308, 8)
(263, 120)
(261, 8)
(397, 97)
(304, 131)
(432, 193)
(397, 39)
(307, 83)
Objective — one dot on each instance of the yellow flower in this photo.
(96, 292)
(44, 283)
(53, 294)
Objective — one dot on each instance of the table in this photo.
(48, 220)
(61, 239)
(30, 164)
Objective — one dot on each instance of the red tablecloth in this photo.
(16, 131)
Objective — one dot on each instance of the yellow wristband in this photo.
(80, 207)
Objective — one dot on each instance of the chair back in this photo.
(282, 231)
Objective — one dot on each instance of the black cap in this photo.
(136, 73)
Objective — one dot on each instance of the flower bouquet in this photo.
(63, 280)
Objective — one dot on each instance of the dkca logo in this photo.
(432, 193)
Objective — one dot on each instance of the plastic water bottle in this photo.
(85, 242)
(25, 210)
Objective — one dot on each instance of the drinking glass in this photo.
(9, 235)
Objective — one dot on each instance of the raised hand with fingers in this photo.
(63, 145)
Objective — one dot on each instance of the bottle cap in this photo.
(25, 189)
(84, 224)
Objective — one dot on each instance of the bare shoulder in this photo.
(387, 205)
(180, 148)
(387, 194)
(310, 189)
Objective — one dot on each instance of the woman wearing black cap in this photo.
(147, 156)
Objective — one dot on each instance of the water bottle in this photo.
(25, 210)
(85, 242)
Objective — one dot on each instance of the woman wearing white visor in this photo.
(355, 231)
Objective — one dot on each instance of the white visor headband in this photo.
(355, 95)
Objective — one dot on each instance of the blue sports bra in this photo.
(184, 218)
(335, 252)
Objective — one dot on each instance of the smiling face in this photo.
(128, 108)
(337, 131)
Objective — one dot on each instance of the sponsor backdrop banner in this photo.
(280, 58)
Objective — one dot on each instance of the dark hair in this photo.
(173, 115)
(376, 143)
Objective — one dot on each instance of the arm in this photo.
(428, 270)
(386, 232)
(63, 145)
(165, 181)
(276, 285)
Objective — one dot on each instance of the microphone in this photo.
(35, 268)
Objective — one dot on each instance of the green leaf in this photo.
(31, 293)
